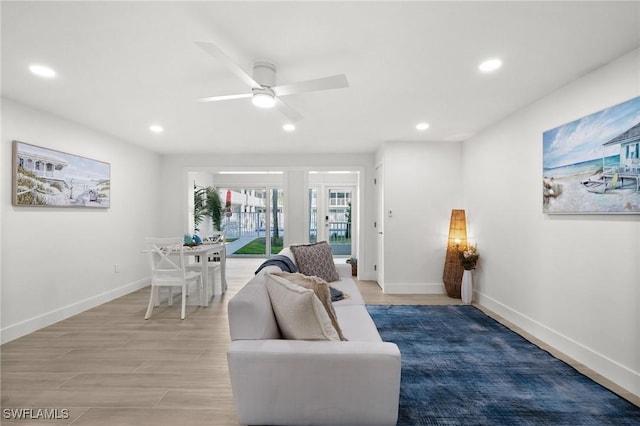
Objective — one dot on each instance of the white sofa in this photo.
(303, 382)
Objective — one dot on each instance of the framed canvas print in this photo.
(592, 165)
(44, 177)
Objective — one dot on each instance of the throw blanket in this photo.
(281, 261)
(336, 294)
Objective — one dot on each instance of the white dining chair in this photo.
(213, 263)
(166, 256)
(217, 236)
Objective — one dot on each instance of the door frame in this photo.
(322, 211)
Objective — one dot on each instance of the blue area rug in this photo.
(461, 367)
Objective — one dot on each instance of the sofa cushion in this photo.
(250, 313)
(357, 325)
(298, 311)
(316, 259)
(321, 288)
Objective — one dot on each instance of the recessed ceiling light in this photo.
(156, 129)
(490, 65)
(42, 71)
(289, 127)
(422, 126)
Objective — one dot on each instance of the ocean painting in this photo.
(592, 165)
(44, 177)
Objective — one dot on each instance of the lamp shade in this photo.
(458, 229)
(457, 240)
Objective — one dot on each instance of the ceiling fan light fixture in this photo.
(263, 100)
(42, 71)
(490, 65)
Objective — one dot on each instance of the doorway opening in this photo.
(254, 221)
(333, 210)
(259, 215)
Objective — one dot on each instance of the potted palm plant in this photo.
(214, 207)
(199, 207)
(207, 203)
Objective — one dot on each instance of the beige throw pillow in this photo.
(316, 259)
(299, 312)
(321, 288)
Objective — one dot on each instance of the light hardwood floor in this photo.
(108, 366)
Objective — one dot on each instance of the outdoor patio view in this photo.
(253, 219)
(337, 223)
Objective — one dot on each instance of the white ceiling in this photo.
(123, 66)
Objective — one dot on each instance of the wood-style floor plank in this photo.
(108, 366)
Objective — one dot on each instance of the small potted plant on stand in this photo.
(469, 259)
(354, 265)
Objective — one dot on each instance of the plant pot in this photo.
(354, 266)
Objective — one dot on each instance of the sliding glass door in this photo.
(253, 220)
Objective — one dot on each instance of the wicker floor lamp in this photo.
(453, 270)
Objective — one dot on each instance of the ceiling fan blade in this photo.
(334, 82)
(224, 97)
(215, 51)
(288, 112)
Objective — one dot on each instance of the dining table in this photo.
(201, 253)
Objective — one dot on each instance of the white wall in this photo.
(57, 262)
(573, 281)
(422, 184)
(175, 169)
(296, 206)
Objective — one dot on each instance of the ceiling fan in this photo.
(264, 92)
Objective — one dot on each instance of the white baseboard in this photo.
(414, 288)
(601, 364)
(23, 328)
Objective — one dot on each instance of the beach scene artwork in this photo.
(44, 177)
(592, 165)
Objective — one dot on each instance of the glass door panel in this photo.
(338, 221)
(277, 221)
(253, 220)
(330, 217)
(313, 215)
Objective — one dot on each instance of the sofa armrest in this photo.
(344, 270)
(315, 382)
